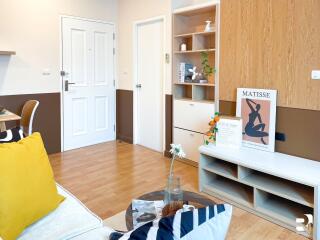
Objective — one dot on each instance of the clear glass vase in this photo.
(173, 191)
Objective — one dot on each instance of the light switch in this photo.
(46, 72)
(315, 75)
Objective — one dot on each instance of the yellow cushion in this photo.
(27, 188)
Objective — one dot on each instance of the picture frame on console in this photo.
(257, 108)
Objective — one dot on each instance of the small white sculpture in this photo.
(194, 72)
(183, 47)
(208, 26)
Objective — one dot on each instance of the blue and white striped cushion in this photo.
(11, 135)
(210, 223)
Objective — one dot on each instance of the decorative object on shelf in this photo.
(183, 47)
(230, 132)
(211, 134)
(257, 108)
(173, 191)
(208, 27)
(184, 73)
(194, 72)
(207, 70)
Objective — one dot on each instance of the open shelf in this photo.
(280, 208)
(220, 167)
(284, 188)
(229, 189)
(7, 53)
(203, 93)
(183, 92)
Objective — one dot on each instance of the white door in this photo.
(88, 83)
(149, 85)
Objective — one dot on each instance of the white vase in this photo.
(208, 26)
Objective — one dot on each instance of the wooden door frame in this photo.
(135, 75)
(61, 17)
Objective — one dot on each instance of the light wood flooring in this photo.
(105, 177)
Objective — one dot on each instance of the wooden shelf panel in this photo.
(293, 191)
(7, 53)
(280, 208)
(195, 33)
(195, 51)
(230, 189)
(196, 84)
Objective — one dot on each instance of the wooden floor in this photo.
(107, 176)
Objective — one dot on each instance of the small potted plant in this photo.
(173, 190)
(207, 70)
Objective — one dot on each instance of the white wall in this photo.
(134, 10)
(31, 28)
(185, 3)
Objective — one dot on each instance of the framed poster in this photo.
(257, 108)
(229, 132)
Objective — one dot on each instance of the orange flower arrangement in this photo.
(211, 134)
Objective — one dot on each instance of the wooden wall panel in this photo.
(124, 115)
(271, 44)
(47, 119)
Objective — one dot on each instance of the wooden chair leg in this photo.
(3, 126)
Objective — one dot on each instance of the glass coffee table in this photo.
(190, 198)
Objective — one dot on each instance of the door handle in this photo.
(66, 85)
(138, 85)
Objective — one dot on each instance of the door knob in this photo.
(66, 85)
(138, 85)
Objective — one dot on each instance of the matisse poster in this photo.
(257, 108)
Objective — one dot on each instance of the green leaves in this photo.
(207, 70)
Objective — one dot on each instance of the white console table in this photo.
(275, 186)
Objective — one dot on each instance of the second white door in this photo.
(149, 84)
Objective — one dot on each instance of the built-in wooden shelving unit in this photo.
(194, 102)
(7, 53)
(188, 28)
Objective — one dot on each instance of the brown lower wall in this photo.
(169, 120)
(124, 116)
(301, 128)
(47, 119)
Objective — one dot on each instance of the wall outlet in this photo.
(280, 137)
(315, 74)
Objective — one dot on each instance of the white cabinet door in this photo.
(190, 142)
(89, 98)
(193, 116)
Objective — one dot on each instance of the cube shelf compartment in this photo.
(233, 190)
(285, 210)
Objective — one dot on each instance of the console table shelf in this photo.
(275, 186)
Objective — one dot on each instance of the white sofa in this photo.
(71, 220)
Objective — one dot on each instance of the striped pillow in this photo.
(11, 135)
(210, 223)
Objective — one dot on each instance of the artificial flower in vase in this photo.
(173, 191)
(211, 134)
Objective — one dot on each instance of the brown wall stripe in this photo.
(168, 112)
(124, 115)
(47, 120)
(301, 128)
